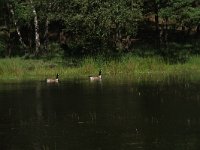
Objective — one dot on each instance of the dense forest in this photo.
(89, 27)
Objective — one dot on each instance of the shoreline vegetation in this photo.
(129, 40)
(127, 67)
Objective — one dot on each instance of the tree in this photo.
(185, 13)
(11, 8)
(151, 8)
(100, 24)
(25, 13)
(6, 26)
(36, 25)
(2, 26)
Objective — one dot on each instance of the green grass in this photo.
(127, 67)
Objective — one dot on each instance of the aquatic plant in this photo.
(127, 67)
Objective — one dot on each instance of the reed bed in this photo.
(127, 67)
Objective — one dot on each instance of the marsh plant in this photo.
(129, 67)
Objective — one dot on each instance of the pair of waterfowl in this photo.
(92, 78)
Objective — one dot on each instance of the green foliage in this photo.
(185, 12)
(23, 12)
(54, 51)
(98, 26)
(128, 67)
(177, 53)
(2, 47)
(97, 22)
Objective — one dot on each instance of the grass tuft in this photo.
(127, 67)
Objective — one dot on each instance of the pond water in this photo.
(80, 115)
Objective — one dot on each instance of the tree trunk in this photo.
(183, 28)
(46, 37)
(198, 28)
(37, 37)
(30, 42)
(8, 47)
(17, 29)
(8, 39)
(165, 35)
(189, 31)
(198, 31)
(157, 27)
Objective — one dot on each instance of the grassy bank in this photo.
(127, 67)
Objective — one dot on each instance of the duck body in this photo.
(93, 78)
(53, 80)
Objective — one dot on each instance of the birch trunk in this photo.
(37, 37)
(17, 29)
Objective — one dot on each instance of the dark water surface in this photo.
(79, 115)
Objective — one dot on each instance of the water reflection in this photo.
(99, 115)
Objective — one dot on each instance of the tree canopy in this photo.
(93, 26)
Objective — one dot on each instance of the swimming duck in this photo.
(92, 78)
(53, 80)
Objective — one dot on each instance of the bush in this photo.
(2, 47)
(176, 53)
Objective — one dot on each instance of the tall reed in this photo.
(126, 67)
